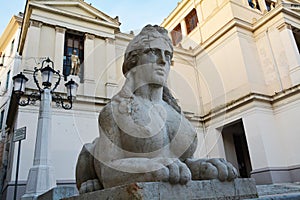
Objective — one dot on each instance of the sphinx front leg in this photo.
(214, 168)
(86, 177)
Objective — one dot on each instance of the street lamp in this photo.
(41, 174)
(47, 73)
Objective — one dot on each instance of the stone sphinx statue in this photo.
(143, 135)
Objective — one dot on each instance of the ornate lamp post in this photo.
(41, 175)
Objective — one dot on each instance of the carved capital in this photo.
(36, 24)
(60, 29)
(284, 26)
(109, 40)
(89, 36)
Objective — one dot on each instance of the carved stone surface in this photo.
(208, 190)
(143, 135)
(58, 193)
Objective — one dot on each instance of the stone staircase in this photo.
(289, 191)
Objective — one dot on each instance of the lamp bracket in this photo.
(60, 102)
(29, 99)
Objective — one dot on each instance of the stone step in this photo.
(289, 191)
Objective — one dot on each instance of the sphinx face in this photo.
(153, 65)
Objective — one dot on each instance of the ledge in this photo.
(208, 190)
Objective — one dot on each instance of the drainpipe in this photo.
(274, 59)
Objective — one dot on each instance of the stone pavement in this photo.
(289, 191)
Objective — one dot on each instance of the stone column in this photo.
(59, 52)
(111, 83)
(88, 65)
(41, 177)
(59, 48)
(262, 6)
(292, 52)
(31, 50)
(183, 28)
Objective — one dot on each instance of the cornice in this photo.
(10, 30)
(80, 4)
(246, 100)
(74, 15)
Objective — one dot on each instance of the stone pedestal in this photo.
(58, 193)
(208, 190)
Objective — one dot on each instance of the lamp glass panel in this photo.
(72, 90)
(47, 76)
(19, 84)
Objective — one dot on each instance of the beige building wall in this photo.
(44, 36)
(238, 66)
(246, 61)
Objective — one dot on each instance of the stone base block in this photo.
(58, 193)
(208, 190)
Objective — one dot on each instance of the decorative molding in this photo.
(36, 24)
(110, 41)
(60, 29)
(89, 36)
(283, 26)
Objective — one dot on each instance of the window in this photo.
(7, 80)
(1, 64)
(191, 21)
(12, 47)
(270, 4)
(254, 4)
(296, 33)
(176, 35)
(1, 119)
(73, 42)
(3, 59)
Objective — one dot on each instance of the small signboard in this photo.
(19, 134)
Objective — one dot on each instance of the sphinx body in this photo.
(143, 135)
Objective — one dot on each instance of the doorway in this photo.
(236, 147)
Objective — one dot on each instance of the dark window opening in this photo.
(191, 21)
(1, 119)
(270, 4)
(236, 148)
(296, 33)
(254, 4)
(74, 42)
(176, 35)
(3, 59)
(12, 47)
(7, 80)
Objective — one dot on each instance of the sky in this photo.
(133, 14)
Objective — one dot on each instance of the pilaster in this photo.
(89, 79)
(59, 48)
(59, 52)
(31, 51)
(111, 83)
(183, 28)
(292, 52)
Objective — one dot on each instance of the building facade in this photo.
(10, 62)
(235, 73)
(54, 29)
(243, 58)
